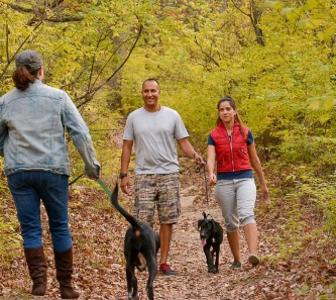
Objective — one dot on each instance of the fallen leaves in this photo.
(99, 263)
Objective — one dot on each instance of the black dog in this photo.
(140, 248)
(211, 233)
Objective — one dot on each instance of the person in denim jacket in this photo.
(33, 120)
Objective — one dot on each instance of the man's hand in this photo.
(199, 159)
(189, 150)
(124, 185)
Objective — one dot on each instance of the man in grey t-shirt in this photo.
(154, 129)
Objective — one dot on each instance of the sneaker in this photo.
(235, 265)
(254, 260)
(166, 270)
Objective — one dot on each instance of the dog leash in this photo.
(198, 170)
(206, 185)
(104, 187)
(78, 177)
(81, 175)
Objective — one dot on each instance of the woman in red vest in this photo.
(232, 153)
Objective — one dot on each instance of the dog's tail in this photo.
(114, 199)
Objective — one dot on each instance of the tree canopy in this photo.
(277, 59)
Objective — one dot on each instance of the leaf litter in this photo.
(98, 232)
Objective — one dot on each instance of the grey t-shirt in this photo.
(155, 135)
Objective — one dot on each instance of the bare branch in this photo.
(206, 54)
(18, 49)
(89, 96)
(54, 19)
(7, 41)
(64, 19)
(254, 18)
(19, 8)
(109, 59)
(40, 13)
(56, 3)
(79, 75)
(126, 58)
(237, 7)
(225, 5)
(102, 37)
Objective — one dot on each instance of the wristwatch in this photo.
(122, 175)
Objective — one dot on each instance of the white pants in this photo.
(237, 200)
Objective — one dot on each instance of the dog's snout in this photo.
(203, 234)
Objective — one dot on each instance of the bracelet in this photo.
(122, 175)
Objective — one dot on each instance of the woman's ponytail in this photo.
(22, 77)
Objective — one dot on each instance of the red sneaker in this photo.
(166, 270)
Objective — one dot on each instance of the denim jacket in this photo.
(32, 131)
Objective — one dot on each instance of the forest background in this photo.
(276, 58)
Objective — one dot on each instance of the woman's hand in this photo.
(212, 178)
(265, 193)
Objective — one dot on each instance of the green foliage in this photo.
(284, 90)
(200, 51)
(303, 290)
(323, 193)
(9, 237)
(10, 240)
(318, 192)
(84, 45)
(331, 292)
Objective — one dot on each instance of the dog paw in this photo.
(212, 270)
(131, 297)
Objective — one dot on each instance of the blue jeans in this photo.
(28, 188)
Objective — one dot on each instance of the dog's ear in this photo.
(199, 224)
(204, 215)
(215, 226)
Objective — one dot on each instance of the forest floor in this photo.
(294, 265)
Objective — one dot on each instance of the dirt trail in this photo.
(187, 256)
(99, 264)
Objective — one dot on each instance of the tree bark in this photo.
(254, 15)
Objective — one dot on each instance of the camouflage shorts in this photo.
(161, 191)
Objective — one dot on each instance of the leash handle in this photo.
(104, 187)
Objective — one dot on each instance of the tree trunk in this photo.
(225, 5)
(255, 15)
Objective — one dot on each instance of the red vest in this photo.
(231, 154)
